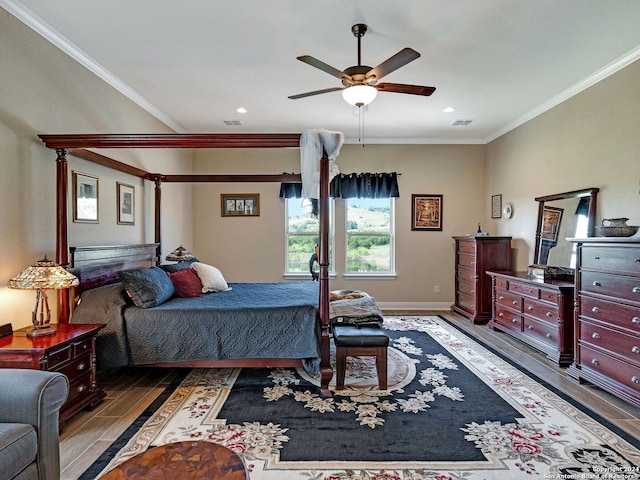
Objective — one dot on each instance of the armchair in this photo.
(30, 402)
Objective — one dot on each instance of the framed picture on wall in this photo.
(126, 205)
(240, 204)
(426, 212)
(85, 198)
(496, 206)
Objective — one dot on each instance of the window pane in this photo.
(300, 219)
(365, 215)
(368, 253)
(301, 247)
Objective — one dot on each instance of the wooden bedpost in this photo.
(62, 238)
(326, 372)
(157, 235)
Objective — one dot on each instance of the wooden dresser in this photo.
(474, 256)
(537, 312)
(607, 316)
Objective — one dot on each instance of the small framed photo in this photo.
(426, 212)
(85, 198)
(496, 206)
(551, 221)
(240, 204)
(126, 204)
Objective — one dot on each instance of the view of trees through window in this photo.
(369, 235)
(302, 234)
(368, 242)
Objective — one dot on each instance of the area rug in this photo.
(453, 410)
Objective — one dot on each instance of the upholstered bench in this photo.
(369, 341)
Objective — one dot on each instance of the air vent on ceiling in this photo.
(232, 123)
(461, 123)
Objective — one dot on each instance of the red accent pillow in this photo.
(186, 282)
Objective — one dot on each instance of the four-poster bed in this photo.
(95, 274)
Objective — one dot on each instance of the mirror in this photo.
(562, 216)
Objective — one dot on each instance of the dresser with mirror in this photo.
(536, 306)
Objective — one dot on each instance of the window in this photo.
(303, 234)
(370, 235)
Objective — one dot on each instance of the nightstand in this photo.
(71, 351)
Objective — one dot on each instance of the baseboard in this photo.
(394, 306)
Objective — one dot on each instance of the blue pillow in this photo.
(175, 267)
(147, 287)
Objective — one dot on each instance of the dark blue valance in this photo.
(353, 185)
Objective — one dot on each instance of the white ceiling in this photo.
(191, 63)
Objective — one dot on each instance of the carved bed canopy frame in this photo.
(78, 145)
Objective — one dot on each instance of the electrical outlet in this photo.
(436, 289)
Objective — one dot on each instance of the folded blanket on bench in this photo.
(354, 307)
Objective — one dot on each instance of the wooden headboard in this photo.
(96, 266)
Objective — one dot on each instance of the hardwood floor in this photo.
(130, 391)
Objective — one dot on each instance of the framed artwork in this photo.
(496, 206)
(426, 212)
(551, 220)
(126, 205)
(85, 198)
(240, 204)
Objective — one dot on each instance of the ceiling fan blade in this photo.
(314, 62)
(315, 92)
(402, 88)
(393, 63)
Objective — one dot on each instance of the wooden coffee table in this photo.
(188, 460)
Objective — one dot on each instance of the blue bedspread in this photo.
(252, 320)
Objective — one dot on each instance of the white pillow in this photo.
(211, 278)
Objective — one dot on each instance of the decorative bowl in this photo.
(618, 231)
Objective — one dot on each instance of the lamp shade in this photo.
(43, 275)
(180, 254)
(359, 95)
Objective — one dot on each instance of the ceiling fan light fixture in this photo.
(359, 95)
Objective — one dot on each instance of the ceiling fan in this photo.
(360, 82)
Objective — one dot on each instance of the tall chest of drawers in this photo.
(474, 256)
(607, 315)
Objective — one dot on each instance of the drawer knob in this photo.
(635, 349)
(636, 290)
(530, 327)
(81, 366)
(530, 308)
(500, 297)
(81, 388)
(549, 314)
(549, 335)
(635, 379)
(514, 320)
(635, 320)
(501, 314)
(596, 335)
(596, 283)
(473, 291)
(514, 302)
(596, 258)
(595, 310)
(595, 362)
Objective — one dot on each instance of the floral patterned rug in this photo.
(453, 410)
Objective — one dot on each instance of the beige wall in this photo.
(45, 91)
(591, 140)
(253, 249)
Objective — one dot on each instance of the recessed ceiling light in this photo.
(241, 110)
(449, 109)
